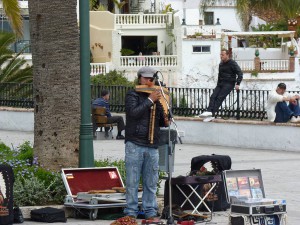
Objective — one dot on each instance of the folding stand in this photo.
(202, 199)
(195, 183)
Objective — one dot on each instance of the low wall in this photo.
(16, 119)
(233, 133)
(240, 133)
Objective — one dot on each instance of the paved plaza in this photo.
(280, 169)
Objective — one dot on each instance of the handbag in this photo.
(48, 214)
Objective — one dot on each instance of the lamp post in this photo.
(86, 151)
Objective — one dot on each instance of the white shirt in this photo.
(274, 97)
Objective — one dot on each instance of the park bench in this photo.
(100, 119)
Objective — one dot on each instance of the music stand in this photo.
(170, 220)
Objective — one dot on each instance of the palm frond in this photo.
(289, 8)
(13, 12)
(13, 67)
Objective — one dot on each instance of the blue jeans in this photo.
(140, 160)
(284, 112)
(218, 96)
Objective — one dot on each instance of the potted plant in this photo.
(126, 52)
(152, 46)
(256, 52)
(198, 34)
(292, 50)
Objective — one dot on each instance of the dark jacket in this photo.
(101, 102)
(230, 72)
(138, 110)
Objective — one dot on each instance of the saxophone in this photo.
(149, 89)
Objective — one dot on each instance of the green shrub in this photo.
(26, 151)
(33, 185)
(126, 52)
(30, 192)
(112, 78)
(254, 73)
(5, 151)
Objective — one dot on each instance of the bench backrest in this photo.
(99, 115)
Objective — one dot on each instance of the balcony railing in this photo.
(143, 19)
(21, 45)
(99, 68)
(222, 3)
(274, 65)
(205, 30)
(246, 65)
(155, 60)
(267, 65)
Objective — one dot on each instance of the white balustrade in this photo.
(274, 65)
(156, 61)
(205, 30)
(246, 65)
(143, 19)
(99, 68)
(228, 3)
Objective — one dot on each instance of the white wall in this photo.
(199, 69)
(249, 53)
(228, 18)
(227, 15)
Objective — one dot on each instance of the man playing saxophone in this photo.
(144, 117)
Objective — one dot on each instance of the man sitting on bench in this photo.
(103, 102)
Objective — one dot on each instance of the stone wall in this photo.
(240, 133)
(16, 119)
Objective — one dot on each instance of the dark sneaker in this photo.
(120, 137)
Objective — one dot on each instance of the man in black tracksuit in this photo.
(230, 76)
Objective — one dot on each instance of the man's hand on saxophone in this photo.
(155, 95)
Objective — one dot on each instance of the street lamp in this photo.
(86, 151)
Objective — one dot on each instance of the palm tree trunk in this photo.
(56, 74)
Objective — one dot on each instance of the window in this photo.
(201, 48)
(209, 18)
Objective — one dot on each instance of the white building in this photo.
(185, 59)
(184, 44)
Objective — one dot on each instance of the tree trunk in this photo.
(56, 74)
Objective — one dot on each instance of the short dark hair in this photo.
(104, 92)
(282, 86)
(225, 50)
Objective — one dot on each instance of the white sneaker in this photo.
(208, 119)
(294, 120)
(205, 114)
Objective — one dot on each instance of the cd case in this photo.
(246, 194)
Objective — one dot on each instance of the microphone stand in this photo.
(170, 220)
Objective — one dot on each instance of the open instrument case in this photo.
(94, 188)
(249, 205)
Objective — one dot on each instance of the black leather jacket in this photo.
(230, 72)
(138, 110)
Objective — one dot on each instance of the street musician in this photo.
(145, 115)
